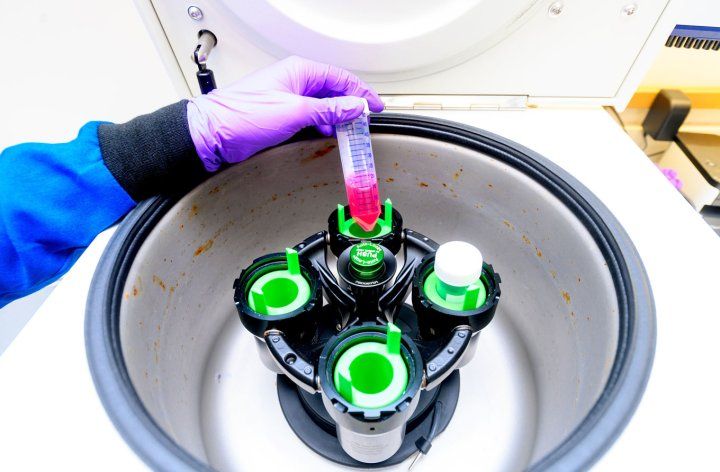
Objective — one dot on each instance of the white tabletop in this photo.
(675, 426)
(72, 62)
(50, 415)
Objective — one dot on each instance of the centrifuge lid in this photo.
(568, 52)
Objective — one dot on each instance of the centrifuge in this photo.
(494, 135)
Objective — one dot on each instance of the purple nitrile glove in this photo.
(672, 176)
(272, 104)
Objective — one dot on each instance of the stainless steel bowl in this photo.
(557, 374)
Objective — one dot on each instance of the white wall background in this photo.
(64, 63)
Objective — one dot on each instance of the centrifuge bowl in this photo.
(557, 374)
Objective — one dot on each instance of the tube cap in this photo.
(458, 263)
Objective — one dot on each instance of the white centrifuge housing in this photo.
(561, 370)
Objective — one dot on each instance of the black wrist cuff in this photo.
(152, 153)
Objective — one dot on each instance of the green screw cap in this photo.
(371, 374)
(367, 260)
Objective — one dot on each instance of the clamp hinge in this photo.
(205, 43)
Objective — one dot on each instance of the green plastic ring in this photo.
(368, 376)
(282, 291)
(454, 298)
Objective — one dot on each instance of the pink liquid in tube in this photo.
(363, 199)
(358, 166)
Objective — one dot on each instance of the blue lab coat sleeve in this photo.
(55, 198)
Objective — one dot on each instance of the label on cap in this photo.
(366, 259)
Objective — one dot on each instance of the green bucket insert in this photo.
(278, 292)
(371, 374)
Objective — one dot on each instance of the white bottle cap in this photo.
(458, 263)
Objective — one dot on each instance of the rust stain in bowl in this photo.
(319, 153)
(156, 346)
(206, 246)
(137, 287)
(159, 282)
(566, 296)
(423, 184)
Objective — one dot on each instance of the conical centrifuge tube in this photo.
(358, 166)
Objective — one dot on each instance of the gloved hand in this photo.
(272, 104)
